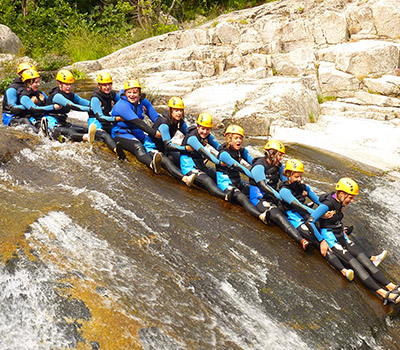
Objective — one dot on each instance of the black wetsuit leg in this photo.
(280, 219)
(211, 172)
(348, 259)
(175, 156)
(168, 165)
(366, 262)
(74, 133)
(136, 148)
(23, 121)
(244, 201)
(104, 136)
(206, 182)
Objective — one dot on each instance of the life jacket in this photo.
(41, 101)
(297, 190)
(107, 102)
(60, 114)
(196, 156)
(233, 173)
(16, 84)
(335, 222)
(173, 128)
(271, 172)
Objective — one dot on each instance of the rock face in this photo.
(281, 63)
(9, 42)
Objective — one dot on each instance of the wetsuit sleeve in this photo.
(150, 111)
(288, 197)
(195, 143)
(142, 125)
(258, 174)
(96, 107)
(81, 101)
(213, 142)
(282, 177)
(183, 128)
(166, 137)
(247, 157)
(227, 159)
(319, 212)
(61, 100)
(312, 195)
(28, 104)
(12, 97)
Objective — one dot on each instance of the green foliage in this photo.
(322, 99)
(52, 62)
(7, 74)
(78, 75)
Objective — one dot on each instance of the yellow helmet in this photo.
(176, 102)
(205, 119)
(347, 185)
(276, 145)
(24, 66)
(129, 84)
(294, 165)
(104, 78)
(234, 129)
(65, 76)
(29, 74)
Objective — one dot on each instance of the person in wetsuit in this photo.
(231, 153)
(10, 99)
(130, 129)
(350, 254)
(193, 159)
(55, 124)
(102, 101)
(267, 172)
(31, 103)
(168, 124)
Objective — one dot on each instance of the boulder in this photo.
(9, 42)
(388, 85)
(386, 17)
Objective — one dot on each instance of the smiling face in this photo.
(346, 198)
(65, 87)
(203, 131)
(34, 86)
(177, 114)
(132, 95)
(105, 88)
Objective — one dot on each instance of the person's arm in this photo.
(150, 111)
(258, 175)
(29, 105)
(166, 137)
(195, 143)
(61, 100)
(288, 197)
(311, 194)
(183, 128)
(281, 176)
(247, 156)
(213, 142)
(227, 159)
(98, 112)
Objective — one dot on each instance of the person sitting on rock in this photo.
(231, 153)
(267, 173)
(31, 104)
(10, 98)
(193, 158)
(102, 101)
(130, 129)
(338, 243)
(55, 123)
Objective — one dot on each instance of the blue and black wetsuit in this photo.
(57, 120)
(264, 195)
(28, 112)
(194, 161)
(100, 114)
(170, 151)
(133, 132)
(10, 100)
(347, 252)
(229, 180)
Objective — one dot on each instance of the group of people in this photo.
(275, 193)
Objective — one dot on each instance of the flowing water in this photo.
(102, 254)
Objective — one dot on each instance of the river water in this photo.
(102, 254)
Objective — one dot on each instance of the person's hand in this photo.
(324, 247)
(204, 142)
(328, 214)
(158, 134)
(119, 119)
(34, 99)
(189, 148)
(57, 107)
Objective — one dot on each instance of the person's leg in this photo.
(206, 182)
(135, 147)
(168, 165)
